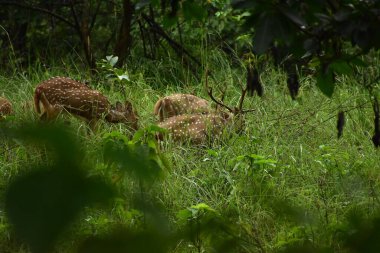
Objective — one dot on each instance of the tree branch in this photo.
(178, 48)
(39, 9)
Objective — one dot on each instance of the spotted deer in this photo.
(196, 128)
(5, 107)
(199, 128)
(178, 104)
(62, 94)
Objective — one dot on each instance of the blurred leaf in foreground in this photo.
(139, 158)
(41, 203)
(122, 240)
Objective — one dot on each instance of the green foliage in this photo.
(121, 240)
(284, 184)
(331, 35)
(111, 72)
(253, 165)
(325, 82)
(41, 203)
(138, 157)
(206, 230)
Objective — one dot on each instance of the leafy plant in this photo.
(111, 72)
(43, 202)
(206, 229)
(255, 163)
(136, 157)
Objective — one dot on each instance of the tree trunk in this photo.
(124, 40)
(85, 33)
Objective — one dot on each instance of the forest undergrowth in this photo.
(284, 182)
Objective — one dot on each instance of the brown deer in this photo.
(5, 107)
(60, 94)
(177, 104)
(198, 128)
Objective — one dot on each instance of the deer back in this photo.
(61, 93)
(177, 104)
(64, 94)
(5, 107)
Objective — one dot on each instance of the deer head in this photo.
(64, 94)
(234, 114)
(5, 107)
(177, 104)
(123, 114)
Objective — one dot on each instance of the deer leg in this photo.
(51, 111)
(43, 116)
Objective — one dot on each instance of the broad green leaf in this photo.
(341, 67)
(271, 27)
(112, 59)
(43, 203)
(325, 82)
(264, 34)
(124, 76)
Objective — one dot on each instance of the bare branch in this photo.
(94, 16)
(39, 9)
(175, 45)
(77, 26)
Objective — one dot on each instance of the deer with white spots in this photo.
(5, 107)
(178, 104)
(207, 125)
(197, 128)
(62, 94)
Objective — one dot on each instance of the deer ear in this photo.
(226, 115)
(128, 105)
(118, 106)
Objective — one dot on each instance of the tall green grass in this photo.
(284, 180)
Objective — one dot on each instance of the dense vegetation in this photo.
(285, 183)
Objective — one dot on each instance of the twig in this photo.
(175, 45)
(34, 8)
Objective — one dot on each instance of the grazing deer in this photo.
(60, 94)
(177, 104)
(198, 128)
(5, 107)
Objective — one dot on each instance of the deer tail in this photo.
(158, 109)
